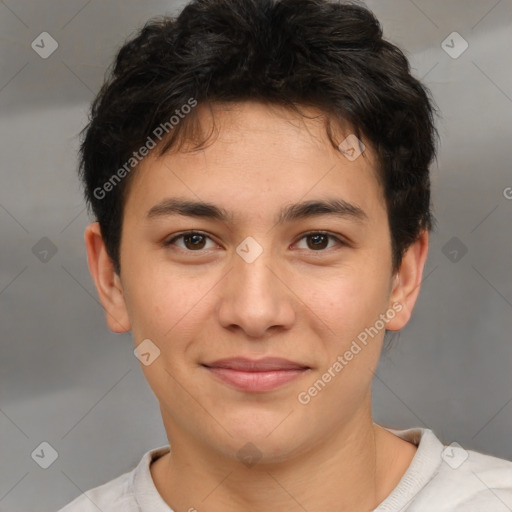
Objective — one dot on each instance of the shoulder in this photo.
(115, 496)
(450, 479)
(468, 481)
(126, 492)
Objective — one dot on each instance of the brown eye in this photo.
(192, 241)
(318, 241)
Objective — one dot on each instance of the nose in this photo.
(256, 298)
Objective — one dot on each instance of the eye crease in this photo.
(191, 237)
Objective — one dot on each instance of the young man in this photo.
(259, 171)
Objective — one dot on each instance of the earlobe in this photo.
(407, 282)
(108, 283)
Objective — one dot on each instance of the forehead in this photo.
(258, 157)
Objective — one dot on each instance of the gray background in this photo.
(67, 380)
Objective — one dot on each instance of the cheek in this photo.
(153, 302)
(348, 300)
(166, 306)
(351, 307)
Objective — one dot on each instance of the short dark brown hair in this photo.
(318, 53)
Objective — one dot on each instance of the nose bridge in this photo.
(254, 298)
(255, 275)
(253, 279)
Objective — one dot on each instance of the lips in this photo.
(253, 365)
(252, 375)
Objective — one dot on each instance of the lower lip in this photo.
(256, 381)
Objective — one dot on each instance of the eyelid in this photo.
(169, 242)
(338, 238)
(341, 241)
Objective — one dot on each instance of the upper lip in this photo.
(256, 365)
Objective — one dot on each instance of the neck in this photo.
(353, 471)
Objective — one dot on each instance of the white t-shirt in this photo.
(439, 479)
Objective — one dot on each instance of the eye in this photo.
(193, 241)
(319, 240)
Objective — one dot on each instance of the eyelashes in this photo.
(196, 238)
(186, 235)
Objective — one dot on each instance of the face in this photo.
(269, 320)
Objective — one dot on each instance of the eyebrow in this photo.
(289, 213)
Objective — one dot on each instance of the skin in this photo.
(294, 301)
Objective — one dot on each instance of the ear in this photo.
(108, 283)
(407, 281)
